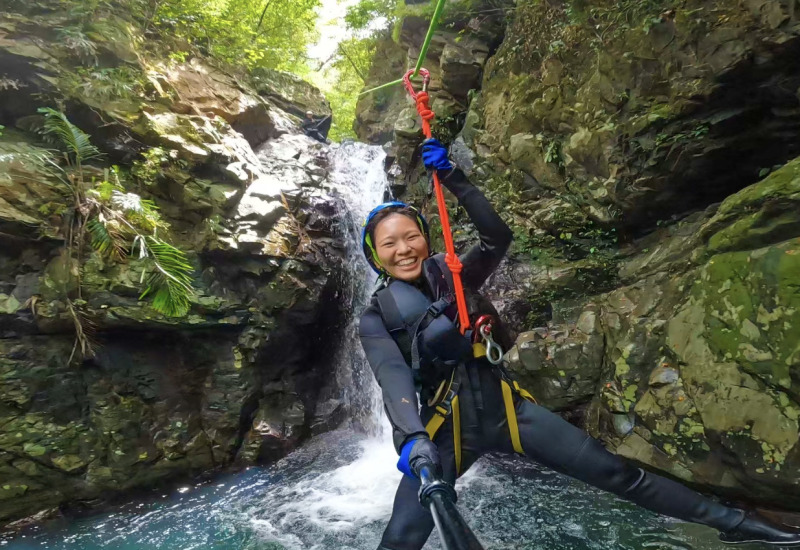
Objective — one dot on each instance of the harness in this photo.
(421, 327)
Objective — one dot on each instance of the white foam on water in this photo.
(355, 494)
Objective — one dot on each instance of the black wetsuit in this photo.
(317, 129)
(544, 436)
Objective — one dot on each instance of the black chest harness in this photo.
(423, 327)
(422, 324)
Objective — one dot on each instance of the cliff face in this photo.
(220, 154)
(645, 155)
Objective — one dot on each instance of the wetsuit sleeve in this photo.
(495, 237)
(394, 377)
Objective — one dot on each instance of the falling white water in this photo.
(357, 176)
(361, 490)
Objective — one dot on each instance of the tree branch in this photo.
(263, 13)
(352, 63)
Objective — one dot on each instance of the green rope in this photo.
(422, 53)
(381, 87)
(428, 37)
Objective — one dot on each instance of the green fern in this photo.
(106, 239)
(170, 278)
(61, 131)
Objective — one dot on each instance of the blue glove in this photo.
(434, 155)
(416, 453)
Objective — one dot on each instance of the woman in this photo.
(469, 406)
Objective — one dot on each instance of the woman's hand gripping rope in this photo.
(425, 113)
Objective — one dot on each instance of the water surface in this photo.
(336, 493)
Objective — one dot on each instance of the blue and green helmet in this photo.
(366, 238)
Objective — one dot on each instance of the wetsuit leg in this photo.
(554, 442)
(411, 524)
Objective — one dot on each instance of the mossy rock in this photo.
(764, 213)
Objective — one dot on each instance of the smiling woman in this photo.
(396, 237)
(450, 402)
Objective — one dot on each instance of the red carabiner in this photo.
(426, 79)
(483, 327)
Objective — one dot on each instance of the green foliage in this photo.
(104, 85)
(539, 246)
(252, 33)
(170, 278)
(552, 151)
(347, 75)
(611, 19)
(691, 134)
(75, 41)
(256, 33)
(364, 14)
(446, 128)
(148, 169)
(106, 238)
(118, 223)
(58, 130)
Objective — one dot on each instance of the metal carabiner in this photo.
(494, 353)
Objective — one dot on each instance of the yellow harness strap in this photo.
(511, 416)
(525, 394)
(436, 422)
(457, 434)
(441, 413)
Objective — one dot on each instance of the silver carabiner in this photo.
(494, 353)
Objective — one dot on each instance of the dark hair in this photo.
(385, 213)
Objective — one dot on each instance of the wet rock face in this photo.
(673, 112)
(236, 380)
(695, 363)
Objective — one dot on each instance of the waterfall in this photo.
(358, 178)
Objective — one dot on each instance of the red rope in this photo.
(451, 259)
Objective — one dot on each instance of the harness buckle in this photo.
(438, 307)
(444, 406)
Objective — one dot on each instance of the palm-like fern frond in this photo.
(106, 238)
(61, 131)
(170, 280)
(148, 217)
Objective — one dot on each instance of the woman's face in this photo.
(401, 246)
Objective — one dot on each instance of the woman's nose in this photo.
(403, 247)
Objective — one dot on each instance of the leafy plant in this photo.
(690, 134)
(552, 153)
(119, 225)
(78, 44)
(366, 12)
(148, 169)
(170, 278)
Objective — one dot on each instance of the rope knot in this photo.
(423, 108)
(453, 263)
